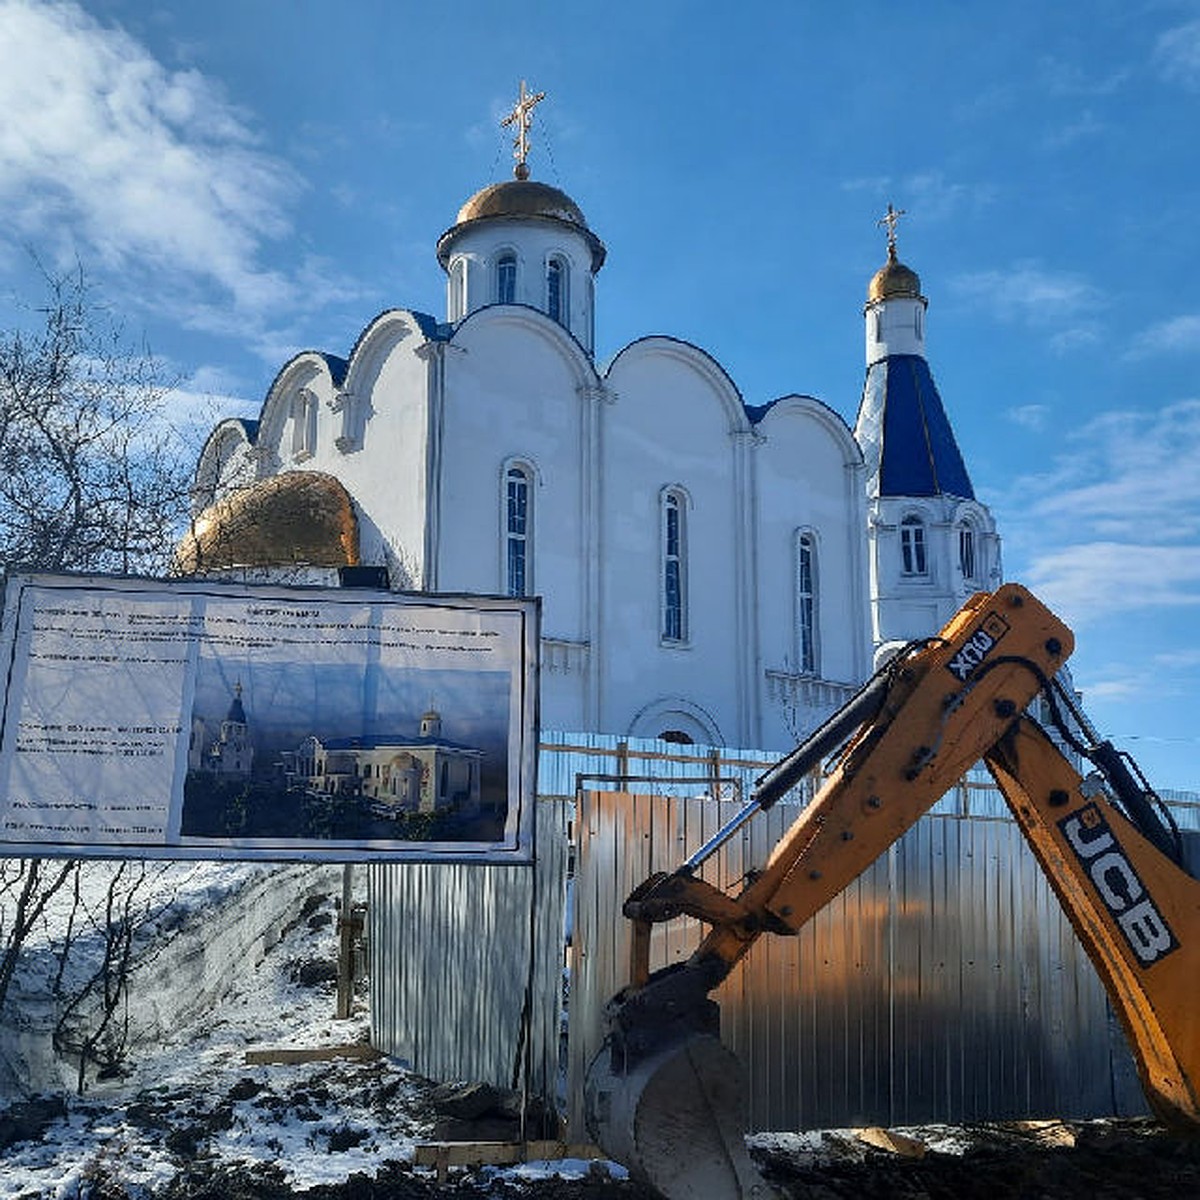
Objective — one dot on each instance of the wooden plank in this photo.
(444, 1155)
(889, 1139)
(281, 1057)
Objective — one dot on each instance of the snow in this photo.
(190, 1096)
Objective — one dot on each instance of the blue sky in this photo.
(246, 178)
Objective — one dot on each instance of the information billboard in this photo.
(189, 719)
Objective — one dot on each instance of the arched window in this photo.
(304, 424)
(506, 278)
(458, 289)
(912, 546)
(674, 567)
(806, 603)
(967, 563)
(556, 290)
(518, 530)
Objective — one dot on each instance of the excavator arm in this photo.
(662, 1095)
(1135, 911)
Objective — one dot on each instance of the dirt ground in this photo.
(1110, 1160)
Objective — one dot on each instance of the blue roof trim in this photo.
(757, 412)
(337, 367)
(431, 329)
(249, 427)
(919, 455)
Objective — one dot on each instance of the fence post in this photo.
(345, 975)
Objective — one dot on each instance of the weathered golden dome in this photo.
(522, 199)
(894, 281)
(299, 518)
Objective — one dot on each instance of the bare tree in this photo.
(92, 476)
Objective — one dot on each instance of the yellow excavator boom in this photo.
(661, 1095)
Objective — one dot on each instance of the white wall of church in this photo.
(675, 423)
(809, 463)
(512, 397)
(383, 400)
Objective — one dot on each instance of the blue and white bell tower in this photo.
(930, 543)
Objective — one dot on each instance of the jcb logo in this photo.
(980, 644)
(1123, 893)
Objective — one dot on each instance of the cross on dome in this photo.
(521, 116)
(891, 219)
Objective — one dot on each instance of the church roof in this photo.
(522, 200)
(905, 433)
(386, 741)
(894, 281)
(237, 712)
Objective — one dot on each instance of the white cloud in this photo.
(1101, 578)
(1029, 416)
(937, 198)
(1069, 79)
(1114, 526)
(1177, 54)
(1180, 333)
(1029, 293)
(1084, 126)
(927, 195)
(107, 154)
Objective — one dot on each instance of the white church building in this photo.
(711, 570)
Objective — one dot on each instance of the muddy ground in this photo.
(1100, 1160)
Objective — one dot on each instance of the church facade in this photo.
(710, 571)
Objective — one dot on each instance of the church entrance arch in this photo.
(674, 719)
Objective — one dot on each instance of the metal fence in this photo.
(944, 984)
(467, 964)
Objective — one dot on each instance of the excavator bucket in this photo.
(675, 1119)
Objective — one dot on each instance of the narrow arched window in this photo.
(517, 530)
(506, 279)
(966, 551)
(806, 603)
(556, 291)
(912, 546)
(304, 424)
(674, 568)
(458, 289)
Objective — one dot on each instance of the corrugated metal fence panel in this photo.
(944, 984)
(451, 951)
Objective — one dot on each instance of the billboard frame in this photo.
(104, 684)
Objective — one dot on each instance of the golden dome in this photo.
(894, 281)
(522, 199)
(299, 518)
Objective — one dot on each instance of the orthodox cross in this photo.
(891, 219)
(521, 116)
